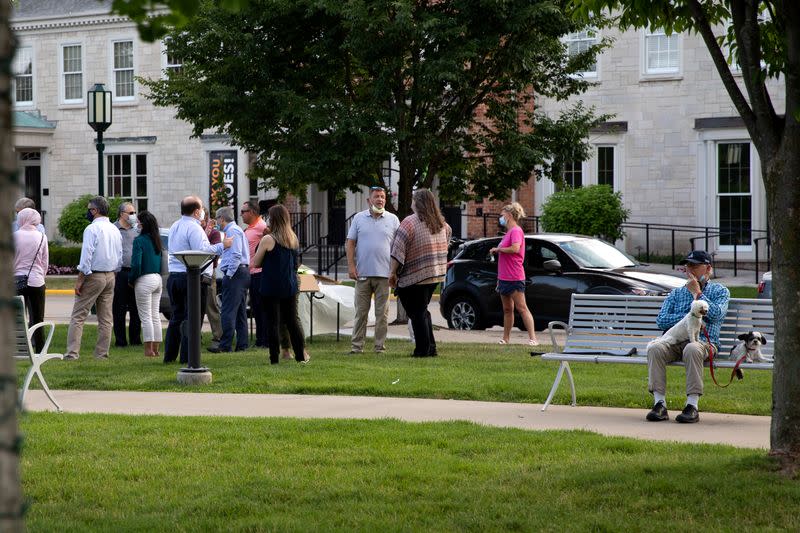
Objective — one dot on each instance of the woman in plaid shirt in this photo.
(419, 263)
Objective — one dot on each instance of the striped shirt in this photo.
(423, 256)
(679, 301)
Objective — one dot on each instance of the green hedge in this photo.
(73, 217)
(64, 256)
(595, 210)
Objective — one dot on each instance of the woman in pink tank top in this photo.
(511, 273)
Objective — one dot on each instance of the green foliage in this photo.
(324, 91)
(595, 210)
(155, 18)
(64, 256)
(73, 217)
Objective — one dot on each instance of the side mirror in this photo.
(552, 265)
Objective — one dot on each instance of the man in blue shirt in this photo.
(185, 234)
(234, 266)
(693, 354)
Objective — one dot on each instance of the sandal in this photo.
(502, 341)
(533, 342)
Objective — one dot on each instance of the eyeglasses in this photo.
(243, 211)
(130, 212)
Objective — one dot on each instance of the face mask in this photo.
(378, 210)
(89, 215)
(202, 214)
(133, 221)
(502, 221)
(702, 279)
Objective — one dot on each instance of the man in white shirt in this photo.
(368, 247)
(101, 258)
(185, 234)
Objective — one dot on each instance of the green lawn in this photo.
(462, 371)
(145, 473)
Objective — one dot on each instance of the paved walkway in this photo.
(736, 430)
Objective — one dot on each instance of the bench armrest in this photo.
(551, 327)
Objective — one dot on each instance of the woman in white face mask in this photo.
(511, 273)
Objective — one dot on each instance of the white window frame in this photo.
(660, 72)
(165, 64)
(134, 197)
(573, 38)
(718, 195)
(112, 70)
(62, 75)
(25, 103)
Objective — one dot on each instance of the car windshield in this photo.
(591, 253)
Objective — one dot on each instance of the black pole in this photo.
(100, 148)
(193, 318)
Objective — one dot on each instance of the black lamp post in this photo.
(99, 118)
(195, 262)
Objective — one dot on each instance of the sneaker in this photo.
(380, 349)
(689, 415)
(658, 413)
(355, 352)
(101, 357)
(70, 357)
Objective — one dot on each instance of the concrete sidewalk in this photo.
(735, 430)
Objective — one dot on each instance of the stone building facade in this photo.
(675, 148)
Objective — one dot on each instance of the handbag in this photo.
(21, 281)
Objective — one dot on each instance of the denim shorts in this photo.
(506, 288)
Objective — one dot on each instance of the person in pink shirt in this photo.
(253, 232)
(511, 273)
(31, 258)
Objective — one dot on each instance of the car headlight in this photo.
(639, 291)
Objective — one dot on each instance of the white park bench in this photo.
(616, 329)
(24, 351)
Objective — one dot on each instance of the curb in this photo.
(60, 291)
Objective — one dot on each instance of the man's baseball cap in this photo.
(697, 257)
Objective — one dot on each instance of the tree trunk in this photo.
(10, 490)
(783, 200)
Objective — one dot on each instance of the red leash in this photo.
(711, 349)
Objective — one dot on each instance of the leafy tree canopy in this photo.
(324, 91)
(155, 18)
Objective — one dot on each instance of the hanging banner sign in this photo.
(222, 179)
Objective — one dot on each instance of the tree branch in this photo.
(703, 27)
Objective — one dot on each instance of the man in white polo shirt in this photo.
(369, 242)
(101, 259)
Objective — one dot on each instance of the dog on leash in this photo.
(750, 347)
(687, 329)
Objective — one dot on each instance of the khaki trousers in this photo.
(212, 310)
(364, 291)
(692, 354)
(98, 290)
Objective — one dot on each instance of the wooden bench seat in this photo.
(617, 328)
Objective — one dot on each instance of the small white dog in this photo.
(750, 347)
(687, 329)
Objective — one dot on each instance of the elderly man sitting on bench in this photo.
(693, 354)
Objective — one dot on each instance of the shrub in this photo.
(595, 210)
(73, 217)
(64, 256)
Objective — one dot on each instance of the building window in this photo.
(23, 76)
(662, 52)
(579, 42)
(573, 174)
(123, 69)
(172, 63)
(127, 178)
(605, 165)
(72, 65)
(733, 193)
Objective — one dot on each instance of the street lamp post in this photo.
(99, 118)
(195, 262)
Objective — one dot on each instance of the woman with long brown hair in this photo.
(145, 277)
(277, 255)
(419, 263)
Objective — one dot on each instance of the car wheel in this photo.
(464, 314)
